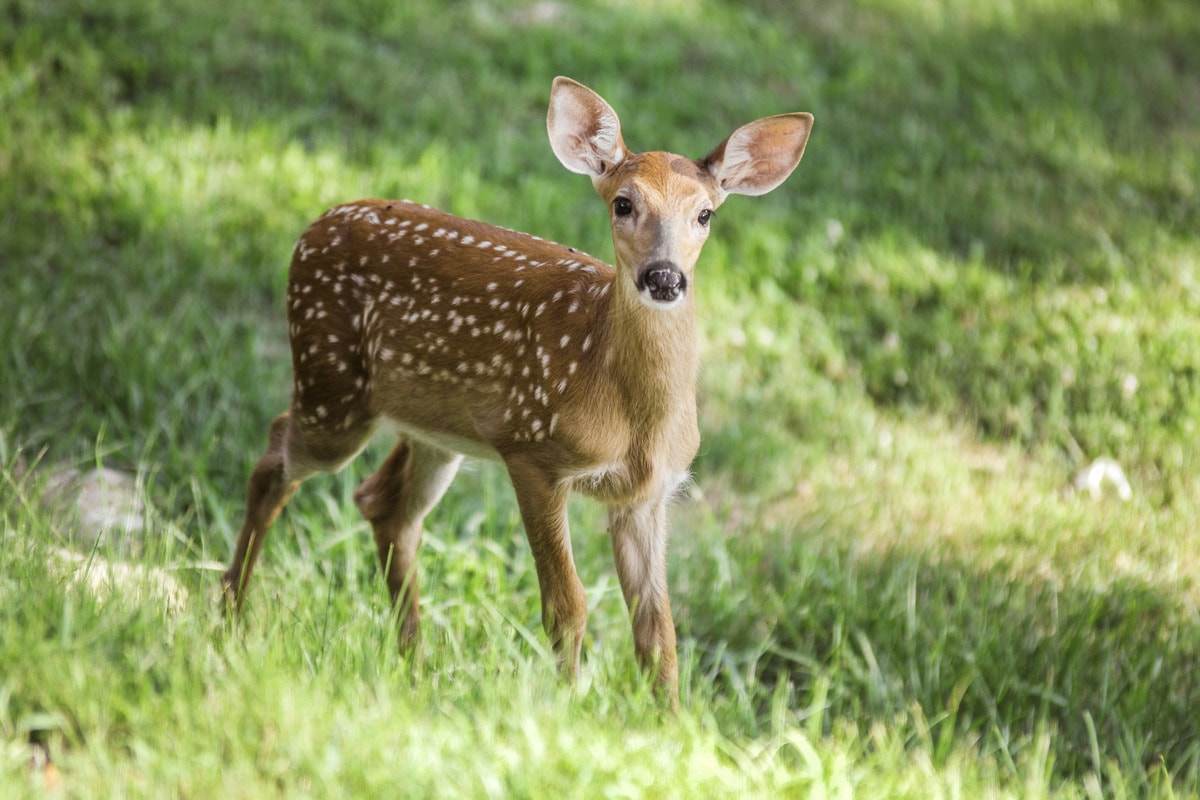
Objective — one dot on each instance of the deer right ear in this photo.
(758, 157)
(584, 131)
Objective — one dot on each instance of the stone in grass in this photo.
(133, 582)
(99, 506)
(1100, 473)
(104, 509)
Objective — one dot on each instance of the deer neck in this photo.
(653, 359)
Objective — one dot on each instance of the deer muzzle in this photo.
(662, 282)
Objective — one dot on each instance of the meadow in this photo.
(983, 277)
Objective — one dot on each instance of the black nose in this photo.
(663, 281)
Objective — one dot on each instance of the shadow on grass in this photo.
(1041, 143)
(1111, 672)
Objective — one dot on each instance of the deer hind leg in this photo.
(639, 541)
(291, 456)
(395, 500)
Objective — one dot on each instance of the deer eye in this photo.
(622, 207)
(705, 217)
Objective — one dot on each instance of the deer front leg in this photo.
(543, 504)
(639, 541)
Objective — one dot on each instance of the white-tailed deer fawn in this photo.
(472, 339)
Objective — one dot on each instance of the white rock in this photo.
(100, 503)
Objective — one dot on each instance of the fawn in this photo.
(473, 339)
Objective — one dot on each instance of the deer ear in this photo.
(585, 132)
(759, 156)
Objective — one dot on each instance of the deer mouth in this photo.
(662, 284)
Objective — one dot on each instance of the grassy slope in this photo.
(983, 275)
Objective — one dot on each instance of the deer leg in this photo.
(543, 504)
(288, 460)
(639, 541)
(266, 496)
(395, 500)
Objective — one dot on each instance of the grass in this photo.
(984, 275)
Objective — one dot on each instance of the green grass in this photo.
(984, 274)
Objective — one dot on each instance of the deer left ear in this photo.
(585, 132)
(759, 156)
